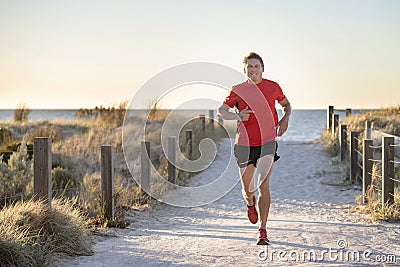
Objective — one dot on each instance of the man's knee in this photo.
(248, 192)
(264, 186)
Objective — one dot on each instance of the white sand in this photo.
(305, 215)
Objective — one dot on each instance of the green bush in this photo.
(12, 147)
(62, 180)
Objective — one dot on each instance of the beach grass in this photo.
(385, 120)
(76, 155)
(31, 232)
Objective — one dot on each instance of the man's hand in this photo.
(244, 114)
(283, 125)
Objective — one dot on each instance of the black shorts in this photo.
(246, 155)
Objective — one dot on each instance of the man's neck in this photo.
(254, 82)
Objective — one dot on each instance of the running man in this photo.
(255, 143)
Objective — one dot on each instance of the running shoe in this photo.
(252, 212)
(262, 237)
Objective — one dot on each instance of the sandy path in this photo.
(305, 216)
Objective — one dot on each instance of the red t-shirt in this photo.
(260, 98)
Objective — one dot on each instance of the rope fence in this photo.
(375, 147)
(11, 151)
(375, 160)
(43, 181)
(358, 152)
(105, 170)
(394, 179)
(362, 161)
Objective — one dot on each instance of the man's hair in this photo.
(252, 55)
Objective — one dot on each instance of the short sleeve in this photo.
(231, 99)
(279, 93)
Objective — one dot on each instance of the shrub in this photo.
(330, 143)
(5, 136)
(45, 130)
(21, 113)
(62, 181)
(13, 147)
(31, 232)
(113, 115)
(16, 176)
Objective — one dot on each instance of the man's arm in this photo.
(224, 113)
(284, 122)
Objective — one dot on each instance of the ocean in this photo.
(304, 125)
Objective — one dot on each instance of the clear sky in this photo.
(72, 54)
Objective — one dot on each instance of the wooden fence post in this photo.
(211, 115)
(220, 121)
(329, 118)
(145, 167)
(189, 144)
(107, 180)
(367, 167)
(343, 141)
(353, 156)
(42, 184)
(387, 170)
(348, 112)
(171, 159)
(367, 130)
(335, 123)
(203, 123)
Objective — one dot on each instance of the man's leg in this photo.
(264, 166)
(246, 175)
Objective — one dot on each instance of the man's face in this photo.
(254, 70)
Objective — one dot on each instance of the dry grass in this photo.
(21, 113)
(373, 198)
(18, 249)
(373, 207)
(156, 114)
(55, 132)
(113, 115)
(387, 121)
(30, 232)
(76, 157)
(330, 143)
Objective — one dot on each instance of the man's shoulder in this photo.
(239, 86)
(269, 82)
